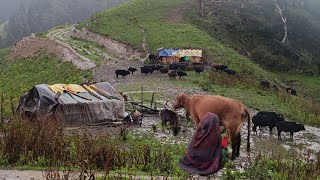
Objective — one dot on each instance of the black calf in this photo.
(230, 71)
(132, 70)
(181, 73)
(170, 116)
(288, 126)
(122, 73)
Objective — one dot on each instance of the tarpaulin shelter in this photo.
(72, 104)
(168, 56)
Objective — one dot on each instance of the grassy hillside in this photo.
(124, 23)
(20, 75)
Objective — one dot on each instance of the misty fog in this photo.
(20, 18)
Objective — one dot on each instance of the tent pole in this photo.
(2, 108)
(142, 95)
(152, 99)
(12, 106)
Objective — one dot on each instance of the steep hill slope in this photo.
(280, 35)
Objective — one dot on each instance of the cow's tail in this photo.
(249, 128)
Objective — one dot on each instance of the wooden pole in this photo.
(152, 99)
(12, 106)
(2, 108)
(142, 95)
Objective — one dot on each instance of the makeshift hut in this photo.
(72, 104)
(168, 56)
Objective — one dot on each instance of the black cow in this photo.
(170, 116)
(181, 73)
(288, 126)
(265, 120)
(174, 66)
(270, 113)
(230, 71)
(198, 69)
(146, 70)
(182, 67)
(220, 67)
(265, 84)
(164, 70)
(158, 67)
(122, 73)
(291, 91)
(132, 70)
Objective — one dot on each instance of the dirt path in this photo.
(121, 50)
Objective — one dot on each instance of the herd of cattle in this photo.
(273, 119)
(174, 69)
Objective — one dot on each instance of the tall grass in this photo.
(46, 144)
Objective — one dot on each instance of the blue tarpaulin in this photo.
(168, 52)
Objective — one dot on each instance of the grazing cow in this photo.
(265, 120)
(182, 67)
(291, 91)
(265, 84)
(132, 70)
(164, 70)
(146, 70)
(270, 113)
(219, 67)
(181, 73)
(231, 113)
(122, 73)
(230, 71)
(172, 74)
(198, 69)
(288, 126)
(158, 67)
(170, 116)
(174, 66)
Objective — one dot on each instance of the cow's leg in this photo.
(254, 129)
(233, 134)
(291, 135)
(270, 130)
(238, 143)
(279, 134)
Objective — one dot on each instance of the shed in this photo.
(168, 56)
(72, 104)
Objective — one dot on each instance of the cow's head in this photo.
(301, 127)
(181, 101)
(280, 117)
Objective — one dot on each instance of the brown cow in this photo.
(231, 113)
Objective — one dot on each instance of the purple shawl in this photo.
(203, 153)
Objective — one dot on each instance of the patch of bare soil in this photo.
(122, 50)
(29, 46)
